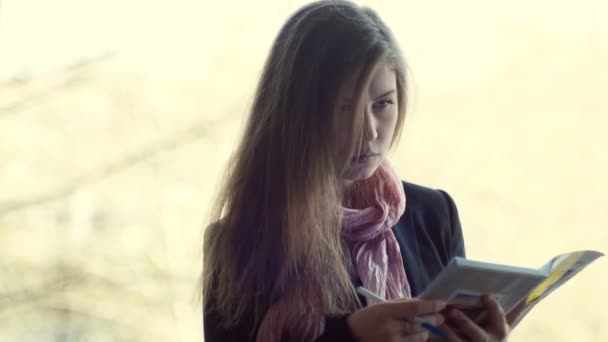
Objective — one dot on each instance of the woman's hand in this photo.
(461, 328)
(390, 322)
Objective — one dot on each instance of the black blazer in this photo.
(429, 236)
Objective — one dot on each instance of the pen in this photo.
(423, 322)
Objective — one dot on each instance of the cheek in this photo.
(387, 128)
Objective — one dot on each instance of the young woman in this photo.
(311, 208)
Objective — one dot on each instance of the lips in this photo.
(365, 156)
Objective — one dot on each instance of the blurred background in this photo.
(116, 119)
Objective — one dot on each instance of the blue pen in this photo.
(424, 323)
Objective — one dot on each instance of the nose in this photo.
(370, 130)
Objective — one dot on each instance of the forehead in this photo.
(382, 80)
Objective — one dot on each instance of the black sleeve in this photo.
(336, 330)
(213, 330)
(457, 240)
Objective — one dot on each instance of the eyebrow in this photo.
(377, 97)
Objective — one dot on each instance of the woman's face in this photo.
(381, 110)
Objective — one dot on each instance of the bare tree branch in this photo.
(65, 277)
(191, 134)
(65, 76)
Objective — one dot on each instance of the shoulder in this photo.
(432, 214)
(429, 233)
(421, 199)
(212, 230)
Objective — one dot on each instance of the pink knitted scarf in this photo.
(374, 207)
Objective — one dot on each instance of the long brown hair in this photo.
(276, 226)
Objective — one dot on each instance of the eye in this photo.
(383, 104)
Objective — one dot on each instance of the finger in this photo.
(434, 319)
(452, 336)
(496, 324)
(412, 327)
(422, 336)
(408, 309)
(469, 328)
(407, 328)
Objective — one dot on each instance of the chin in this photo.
(362, 173)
